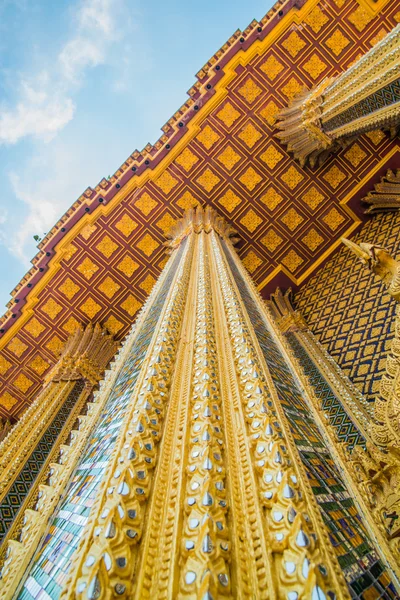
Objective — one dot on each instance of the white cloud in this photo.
(97, 27)
(51, 181)
(98, 14)
(44, 102)
(77, 55)
(40, 115)
(3, 216)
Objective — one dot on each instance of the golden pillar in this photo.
(206, 472)
(30, 450)
(363, 98)
(350, 424)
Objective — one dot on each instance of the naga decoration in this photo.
(380, 262)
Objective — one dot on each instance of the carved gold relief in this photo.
(290, 535)
(292, 260)
(270, 112)
(205, 543)
(117, 520)
(127, 266)
(145, 204)
(208, 137)
(208, 180)
(4, 365)
(34, 327)
(251, 261)
(166, 182)
(250, 178)
(251, 220)
(228, 114)
(304, 123)
(147, 244)
(386, 194)
(294, 44)
(250, 135)
(314, 66)
(230, 200)
(228, 157)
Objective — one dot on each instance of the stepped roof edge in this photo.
(148, 158)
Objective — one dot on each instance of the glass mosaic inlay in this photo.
(365, 574)
(47, 575)
(19, 490)
(346, 431)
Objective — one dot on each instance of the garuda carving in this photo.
(377, 470)
(385, 430)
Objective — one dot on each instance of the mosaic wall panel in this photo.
(22, 485)
(46, 576)
(362, 568)
(384, 97)
(219, 148)
(349, 311)
(345, 429)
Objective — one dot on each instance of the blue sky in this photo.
(82, 85)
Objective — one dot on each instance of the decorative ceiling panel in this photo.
(102, 258)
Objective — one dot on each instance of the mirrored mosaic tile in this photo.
(48, 573)
(362, 568)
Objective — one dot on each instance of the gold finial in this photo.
(198, 219)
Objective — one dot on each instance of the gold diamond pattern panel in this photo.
(349, 311)
(106, 278)
(288, 219)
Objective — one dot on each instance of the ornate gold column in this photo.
(207, 474)
(314, 360)
(282, 491)
(27, 451)
(271, 339)
(32, 447)
(363, 98)
(36, 520)
(349, 418)
(108, 550)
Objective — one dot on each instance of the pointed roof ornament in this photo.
(197, 219)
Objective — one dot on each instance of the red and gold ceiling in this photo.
(102, 258)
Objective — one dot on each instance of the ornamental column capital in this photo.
(199, 219)
(330, 115)
(86, 354)
(287, 318)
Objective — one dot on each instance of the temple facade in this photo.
(199, 375)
